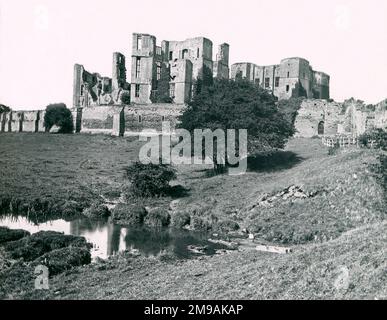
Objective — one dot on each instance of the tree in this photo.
(299, 91)
(162, 93)
(59, 115)
(205, 80)
(289, 108)
(4, 108)
(228, 104)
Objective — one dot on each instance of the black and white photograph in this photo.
(206, 150)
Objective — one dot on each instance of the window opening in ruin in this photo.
(170, 55)
(257, 82)
(172, 90)
(139, 43)
(277, 80)
(158, 71)
(139, 119)
(138, 67)
(267, 82)
(163, 118)
(321, 128)
(82, 89)
(184, 54)
(137, 93)
(288, 74)
(198, 53)
(99, 87)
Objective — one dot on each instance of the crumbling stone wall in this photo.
(7, 118)
(22, 121)
(99, 119)
(90, 89)
(320, 117)
(129, 120)
(17, 121)
(140, 119)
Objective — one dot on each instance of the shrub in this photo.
(97, 211)
(58, 115)
(148, 180)
(376, 136)
(125, 98)
(200, 224)
(32, 247)
(64, 259)
(228, 225)
(129, 214)
(181, 219)
(332, 151)
(7, 235)
(157, 218)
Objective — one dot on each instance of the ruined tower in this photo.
(119, 71)
(221, 65)
(144, 60)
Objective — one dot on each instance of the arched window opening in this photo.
(321, 128)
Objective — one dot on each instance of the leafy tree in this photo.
(125, 98)
(162, 93)
(289, 108)
(228, 104)
(204, 80)
(378, 136)
(299, 91)
(58, 115)
(4, 108)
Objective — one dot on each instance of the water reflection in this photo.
(109, 239)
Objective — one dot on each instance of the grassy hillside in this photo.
(330, 209)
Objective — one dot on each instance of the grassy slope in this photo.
(349, 210)
(309, 273)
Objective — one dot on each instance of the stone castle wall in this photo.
(129, 120)
(22, 121)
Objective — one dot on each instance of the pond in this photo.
(108, 239)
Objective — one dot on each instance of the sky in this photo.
(41, 40)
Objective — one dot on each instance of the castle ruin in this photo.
(292, 78)
(162, 81)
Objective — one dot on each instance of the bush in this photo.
(181, 219)
(200, 224)
(376, 136)
(228, 225)
(148, 180)
(332, 151)
(64, 259)
(129, 214)
(7, 235)
(58, 115)
(158, 218)
(30, 248)
(97, 211)
(125, 98)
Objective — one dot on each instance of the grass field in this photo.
(338, 222)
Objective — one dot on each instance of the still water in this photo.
(109, 239)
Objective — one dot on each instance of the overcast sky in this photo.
(40, 40)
